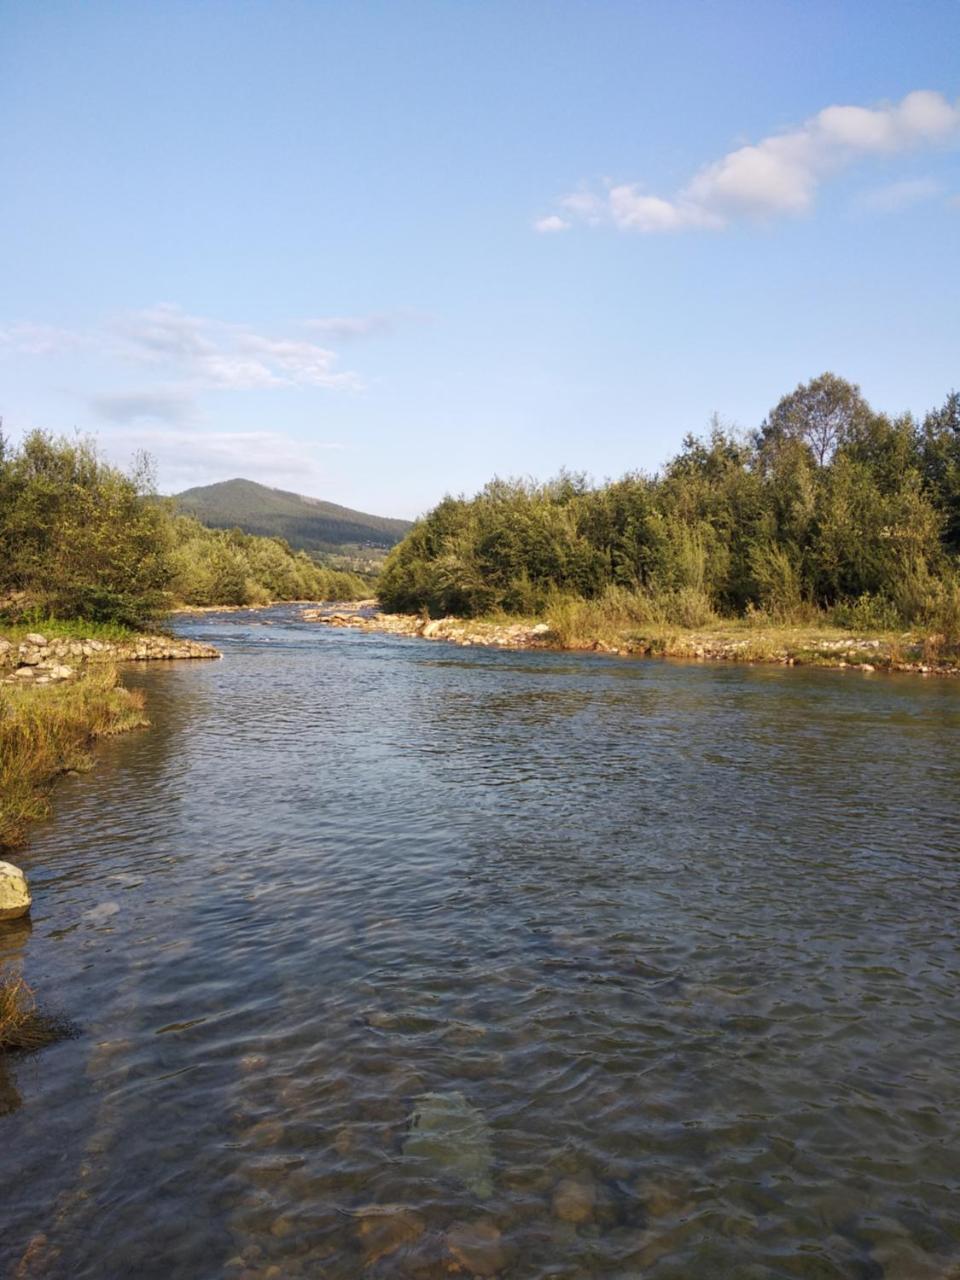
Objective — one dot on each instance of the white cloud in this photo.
(551, 223)
(193, 353)
(780, 175)
(211, 354)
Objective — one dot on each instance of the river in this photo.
(675, 945)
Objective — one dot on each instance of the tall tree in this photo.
(824, 413)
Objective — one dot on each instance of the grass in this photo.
(682, 624)
(49, 730)
(66, 629)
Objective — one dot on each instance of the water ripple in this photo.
(683, 938)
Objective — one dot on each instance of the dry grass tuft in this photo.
(21, 1026)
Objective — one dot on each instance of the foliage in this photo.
(77, 535)
(81, 540)
(228, 566)
(35, 619)
(828, 506)
(824, 414)
(866, 613)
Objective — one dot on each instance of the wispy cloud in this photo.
(209, 353)
(39, 339)
(780, 175)
(188, 457)
(339, 328)
(144, 406)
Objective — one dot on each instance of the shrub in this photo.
(866, 613)
(78, 537)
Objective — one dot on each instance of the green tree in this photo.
(78, 536)
(824, 413)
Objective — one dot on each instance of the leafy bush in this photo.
(228, 566)
(866, 613)
(829, 506)
(80, 539)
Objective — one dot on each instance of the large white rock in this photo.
(14, 893)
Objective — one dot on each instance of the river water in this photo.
(675, 946)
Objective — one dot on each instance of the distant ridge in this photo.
(306, 523)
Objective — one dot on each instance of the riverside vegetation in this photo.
(80, 539)
(829, 517)
(89, 558)
(90, 554)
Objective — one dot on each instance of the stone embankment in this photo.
(38, 660)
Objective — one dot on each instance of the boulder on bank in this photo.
(15, 897)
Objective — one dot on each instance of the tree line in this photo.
(80, 538)
(827, 507)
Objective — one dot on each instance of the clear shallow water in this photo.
(683, 939)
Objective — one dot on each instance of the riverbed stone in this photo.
(449, 1136)
(35, 638)
(382, 1229)
(15, 897)
(477, 1246)
(574, 1199)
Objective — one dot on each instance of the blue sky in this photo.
(376, 252)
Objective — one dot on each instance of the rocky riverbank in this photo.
(39, 659)
(464, 632)
(733, 642)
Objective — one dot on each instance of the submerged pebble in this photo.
(450, 1136)
(574, 1199)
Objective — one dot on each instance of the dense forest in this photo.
(82, 539)
(827, 509)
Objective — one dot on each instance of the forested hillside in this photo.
(307, 524)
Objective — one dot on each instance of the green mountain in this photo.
(306, 523)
